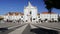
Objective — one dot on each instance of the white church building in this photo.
(31, 15)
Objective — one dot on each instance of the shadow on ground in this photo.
(43, 31)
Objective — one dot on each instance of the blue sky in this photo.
(18, 6)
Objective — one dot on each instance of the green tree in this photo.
(52, 4)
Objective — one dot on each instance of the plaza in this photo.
(29, 22)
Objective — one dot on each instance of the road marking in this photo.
(47, 27)
(14, 26)
(32, 26)
(19, 30)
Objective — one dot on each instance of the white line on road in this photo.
(32, 26)
(46, 27)
(19, 30)
(15, 26)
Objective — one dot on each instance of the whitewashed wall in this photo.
(49, 16)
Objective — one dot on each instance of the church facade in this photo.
(31, 15)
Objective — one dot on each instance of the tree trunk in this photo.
(50, 13)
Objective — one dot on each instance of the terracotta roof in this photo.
(14, 13)
(47, 13)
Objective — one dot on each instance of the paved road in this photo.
(18, 30)
(29, 29)
(9, 24)
(10, 30)
(49, 25)
(26, 29)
